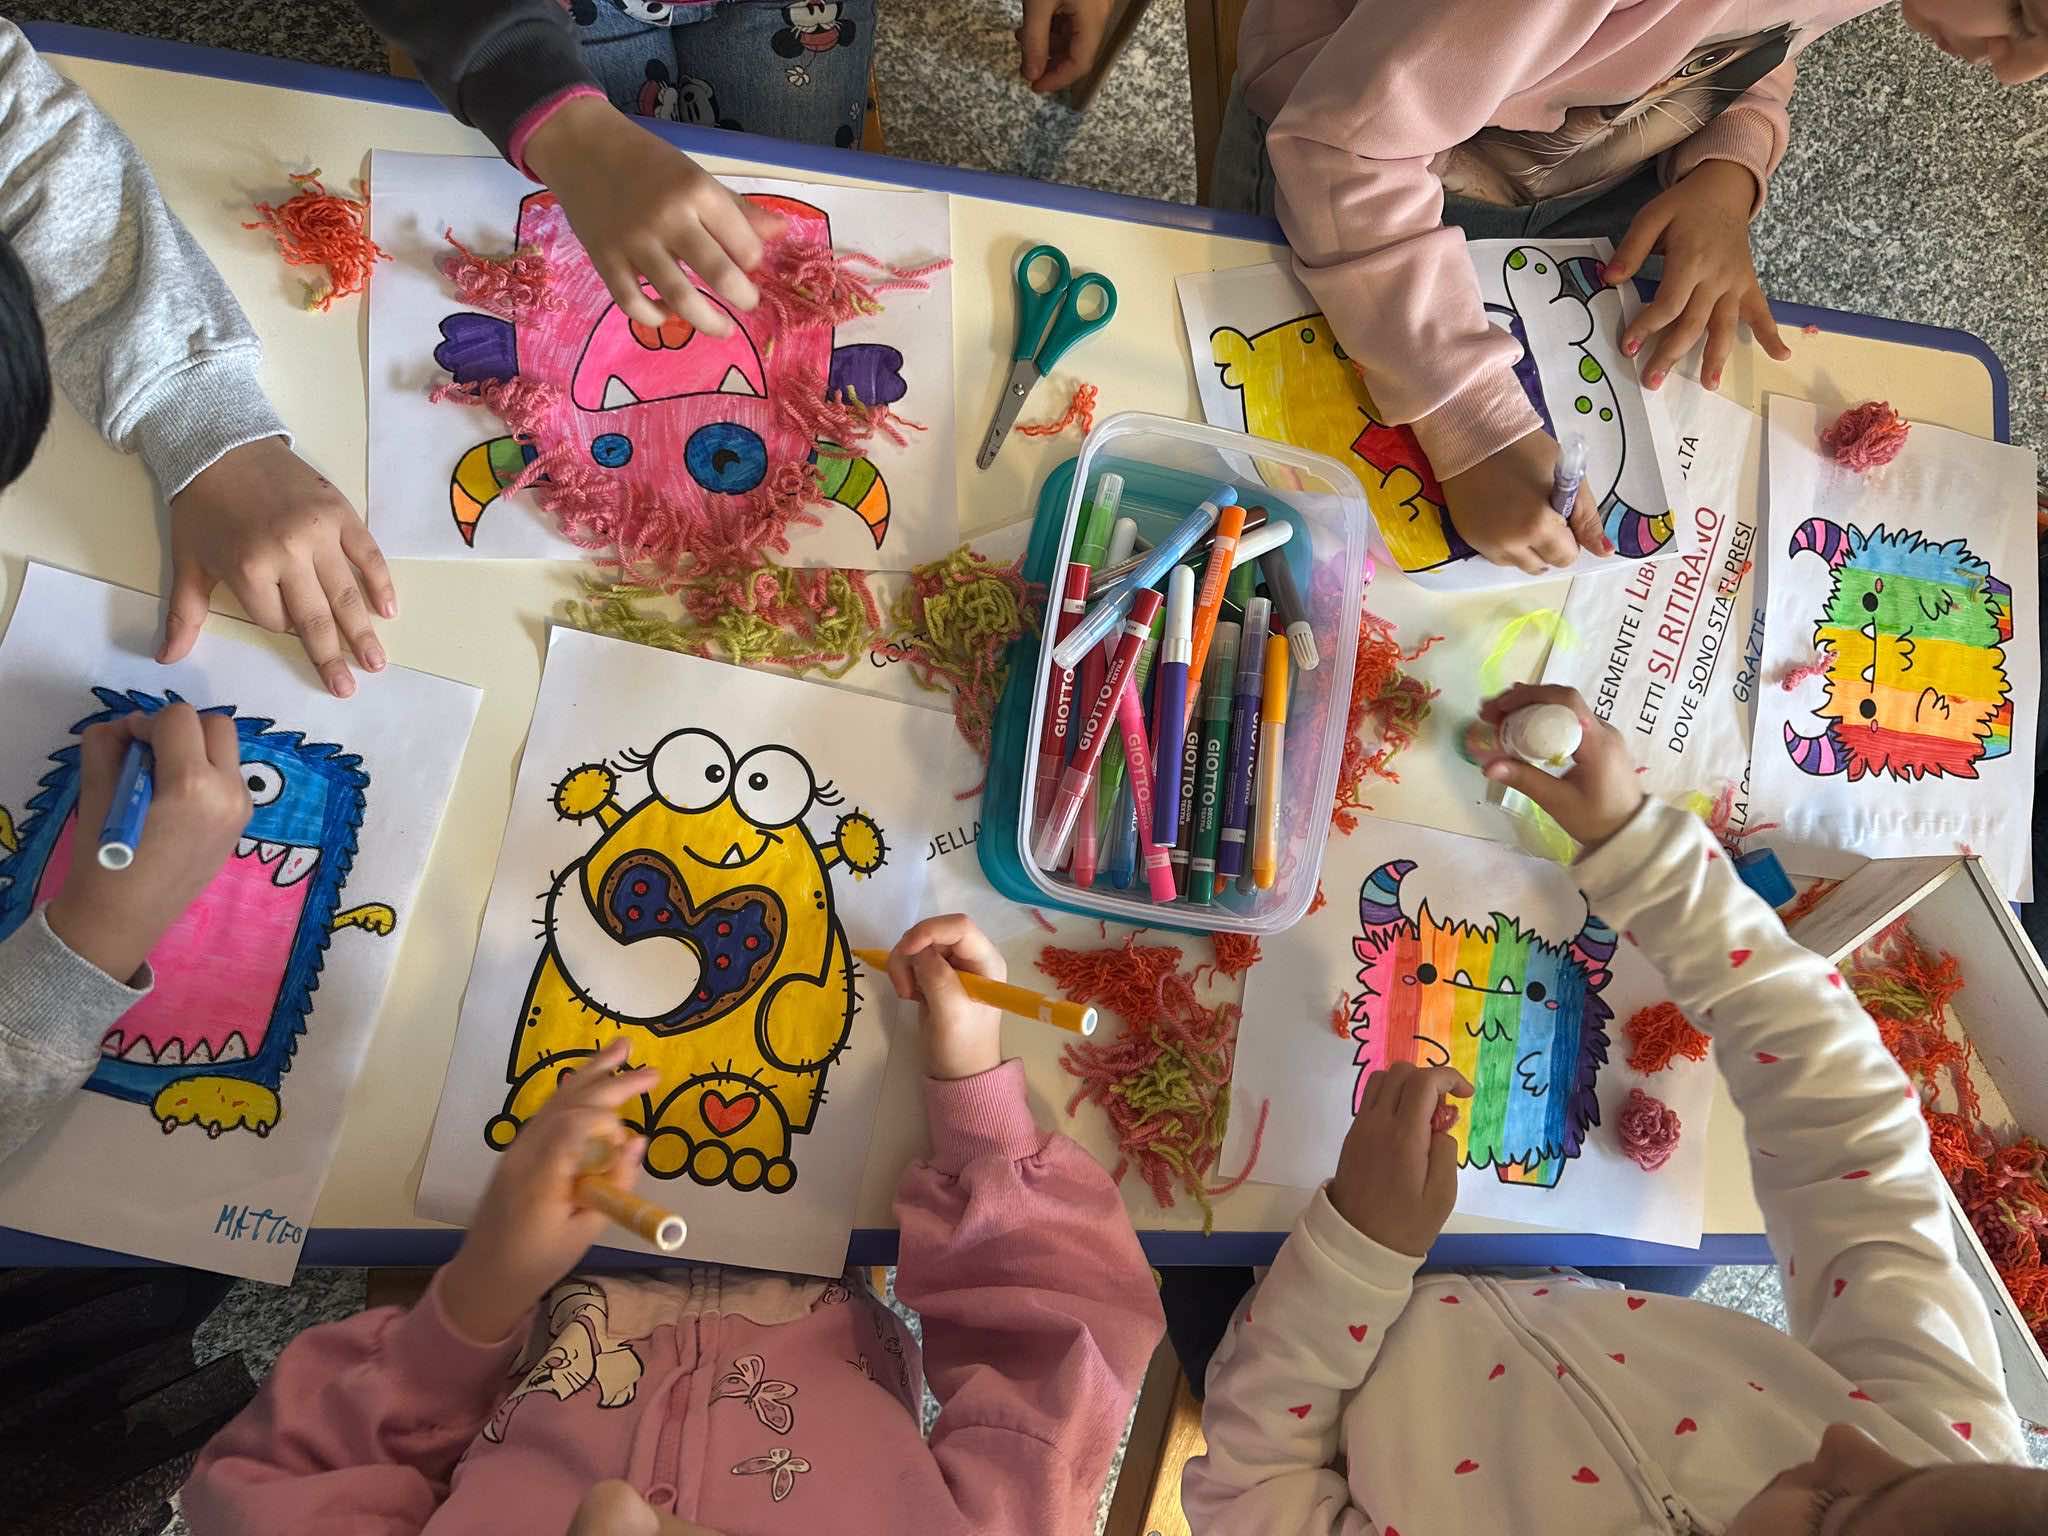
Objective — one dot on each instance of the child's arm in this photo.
(70, 971)
(364, 1420)
(1393, 87)
(1851, 1197)
(1311, 1331)
(1039, 1309)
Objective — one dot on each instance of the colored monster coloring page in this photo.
(1268, 363)
(693, 874)
(217, 1097)
(1439, 949)
(1903, 610)
(672, 415)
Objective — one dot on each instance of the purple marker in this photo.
(1244, 740)
(1170, 704)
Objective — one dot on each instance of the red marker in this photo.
(1066, 809)
(1059, 697)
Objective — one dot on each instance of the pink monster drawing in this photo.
(696, 422)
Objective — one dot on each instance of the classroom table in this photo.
(222, 130)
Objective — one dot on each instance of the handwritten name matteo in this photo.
(241, 1223)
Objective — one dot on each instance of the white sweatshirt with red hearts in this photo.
(1352, 1396)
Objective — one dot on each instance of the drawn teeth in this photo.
(1869, 631)
(1507, 988)
(111, 1045)
(295, 866)
(1462, 979)
(138, 1052)
(268, 851)
(1870, 673)
(732, 857)
(234, 1048)
(735, 383)
(244, 846)
(202, 1052)
(617, 394)
(172, 1055)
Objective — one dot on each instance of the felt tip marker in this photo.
(1157, 868)
(134, 786)
(1290, 612)
(1096, 625)
(1215, 728)
(594, 1190)
(1209, 605)
(1170, 710)
(1066, 807)
(1123, 534)
(1272, 741)
(1244, 739)
(1108, 577)
(1571, 474)
(1056, 727)
(1115, 760)
(1122, 841)
(1006, 995)
(1182, 852)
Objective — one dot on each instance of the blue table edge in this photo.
(402, 1246)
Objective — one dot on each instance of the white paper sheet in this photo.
(1267, 363)
(1291, 1052)
(1670, 653)
(813, 766)
(315, 911)
(416, 447)
(1920, 576)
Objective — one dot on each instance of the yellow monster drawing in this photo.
(701, 925)
(1300, 388)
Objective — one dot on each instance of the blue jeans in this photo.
(1243, 181)
(788, 71)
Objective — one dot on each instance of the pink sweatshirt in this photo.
(1377, 108)
(744, 1401)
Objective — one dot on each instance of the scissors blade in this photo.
(1022, 377)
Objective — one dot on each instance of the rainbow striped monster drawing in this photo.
(1523, 1019)
(1915, 637)
(676, 412)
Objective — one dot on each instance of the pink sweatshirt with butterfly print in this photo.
(1378, 107)
(1351, 1396)
(739, 1400)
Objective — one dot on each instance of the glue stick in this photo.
(1542, 735)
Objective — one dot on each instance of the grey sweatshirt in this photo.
(150, 346)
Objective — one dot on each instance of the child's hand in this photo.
(1397, 1177)
(1502, 507)
(1702, 227)
(643, 208)
(1597, 795)
(198, 807)
(529, 1231)
(961, 1037)
(1059, 40)
(291, 549)
(615, 1508)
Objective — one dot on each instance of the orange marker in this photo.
(1008, 996)
(657, 1224)
(1209, 601)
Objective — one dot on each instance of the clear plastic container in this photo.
(1169, 467)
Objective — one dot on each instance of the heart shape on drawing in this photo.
(737, 935)
(1358, 1331)
(725, 1115)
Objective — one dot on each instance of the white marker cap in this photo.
(1180, 602)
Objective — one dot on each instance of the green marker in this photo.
(1217, 680)
(1114, 764)
(1092, 541)
(1238, 592)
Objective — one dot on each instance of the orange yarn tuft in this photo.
(1722, 813)
(1236, 953)
(318, 228)
(1793, 676)
(2002, 1189)
(1866, 436)
(1164, 1082)
(1658, 1035)
(1395, 705)
(1080, 412)
(1806, 901)
(1340, 1016)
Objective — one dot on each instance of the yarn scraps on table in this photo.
(1658, 1035)
(1164, 1082)
(1079, 414)
(1648, 1131)
(1388, 699)
(318, 228)
(2001, 1185)
(955, 624)
(1866, 436)
(1236, 953)
(802, 620)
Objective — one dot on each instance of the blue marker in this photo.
(1571, 474)
(133, 787)
(1098, 623)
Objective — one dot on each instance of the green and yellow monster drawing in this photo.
(700, 924)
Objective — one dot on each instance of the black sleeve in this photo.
(489, 61)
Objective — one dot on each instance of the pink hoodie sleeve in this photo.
(1753, 133)
(1394, 87)
(356, 1430)
(1039, 1309)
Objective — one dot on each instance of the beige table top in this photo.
(217, 146)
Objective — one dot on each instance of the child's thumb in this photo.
(937, 982)
(1555, 796)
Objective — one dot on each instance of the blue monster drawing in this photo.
(235, 976)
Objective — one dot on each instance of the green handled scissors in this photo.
(1049, 321)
